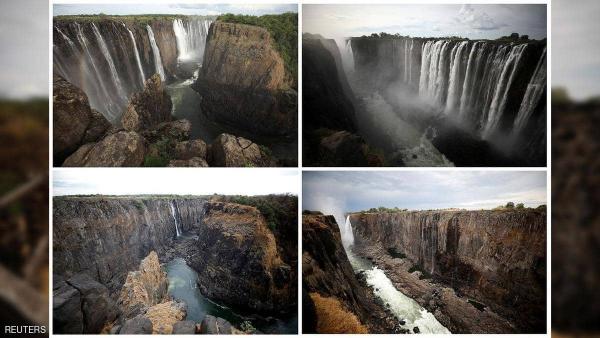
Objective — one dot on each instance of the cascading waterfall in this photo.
(137, 56)
(191, 37)
(110, 59)
(347, 234)
(468, 80)
(345, 47)
(535, 89)
(156, 52)
(177, 231)
(111, 63)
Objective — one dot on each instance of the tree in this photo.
(510, 205)
(520, 206)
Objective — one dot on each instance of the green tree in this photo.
(510, 205)
(520, 206)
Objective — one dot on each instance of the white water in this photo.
(402, 306)
(177, 231)
(137, 56)
(191, 37)
(534, 92)
(111, 63)
(345, 47)
(156, 52)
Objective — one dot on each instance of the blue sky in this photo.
(576, 46)
(186, 9)
(180, 181)
(432, 20)
(24, 41)
(336, 192)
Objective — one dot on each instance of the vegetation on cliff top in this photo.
(138, 19)
(284, 30)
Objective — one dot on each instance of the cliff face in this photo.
(243, 80)
(495, 256)
(240, 262)
(327, 273)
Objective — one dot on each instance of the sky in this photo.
(576, 46)
(175, 181)
(24, 55)
(337, 192)
(185, 8)
(470, 20)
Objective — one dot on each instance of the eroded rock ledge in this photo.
(147, 136)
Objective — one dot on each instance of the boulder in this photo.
(66, 308)
(121, 149)
(184, 327)
(71, 117)
(215, 325)
(188, 149)
(165, 315)
(232, 151)
(97, 306)
(178, 130)
(148, 108)
(97, 128)
(344, 148)
(143, 288)
(137, 325)
(192, 162)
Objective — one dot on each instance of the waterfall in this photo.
(501, 93)
(111, 108)
(177, 231)
(533, 94)
(109, 60)
(137, 56)
(190, 36)
(456, 67)
(156, 52)
(347, 234)
(345, 47)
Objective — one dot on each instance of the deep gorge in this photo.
(434, 101)
(475, 271)
(239, 261)
(210, 69)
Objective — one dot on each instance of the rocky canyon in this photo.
(175, 264)
(437, 271)
(174, 90)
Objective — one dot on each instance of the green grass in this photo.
(284, 30)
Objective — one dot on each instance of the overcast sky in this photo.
(471, 21)
(187, 9)
(24, 48)
(576, 46)
(335, 192)
(182, 181)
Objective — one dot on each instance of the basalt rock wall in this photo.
(243, 80)
(108, 237)
(497, 256)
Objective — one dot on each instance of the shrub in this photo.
(520, 206)
(510, 205)
(333, 317)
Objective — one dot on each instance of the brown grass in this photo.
(332, 317)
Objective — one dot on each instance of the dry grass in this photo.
(332, 317)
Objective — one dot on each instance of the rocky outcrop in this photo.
(243, 81)
(148, 108)
(74, 122)
(325, 103)
(143, 288)
(231, 151)
(495, 257)
(343, 148)
(327, 274)
(215, 325)
(121, 149)
(81, 305)
(137, 325)
(238, 263)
